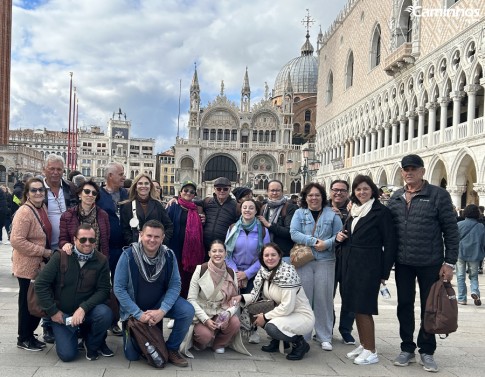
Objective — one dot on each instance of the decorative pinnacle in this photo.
(308, 21)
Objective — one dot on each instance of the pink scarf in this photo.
(193, 250)
(228, 288)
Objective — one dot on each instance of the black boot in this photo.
(300, 348)
(274, 346)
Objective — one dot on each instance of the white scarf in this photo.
(357, 212)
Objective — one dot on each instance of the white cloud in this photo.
(132, 54)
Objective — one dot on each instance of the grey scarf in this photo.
(141, 258)
(273, 209)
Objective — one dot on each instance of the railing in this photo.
(448, 134)
(219, 144)
(478, 128)
(462, 130)
(399, 58)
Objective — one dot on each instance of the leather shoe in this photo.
(274, 346)
(176, 359)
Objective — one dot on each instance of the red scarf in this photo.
(193, 251)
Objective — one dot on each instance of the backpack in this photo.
(153, 336)
(441, 311)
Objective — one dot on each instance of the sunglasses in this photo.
(88, 191)
(222, 188)
(85, 239)
(40, 190)
(189, 191)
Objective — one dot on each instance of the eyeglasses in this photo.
(222, 188)
(275, 190)
(83, 240)
(34, 190)
(88, 191)
(143, 183)
(339, 191)
(189, 191)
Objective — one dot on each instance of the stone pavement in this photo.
(462, 354)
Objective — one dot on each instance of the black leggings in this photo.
(275, 333)
(27, 322)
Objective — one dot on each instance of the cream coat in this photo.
(28, 242)
(201, 289)
(293, 314)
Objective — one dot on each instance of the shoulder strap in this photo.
(469, 230)
(38, 219)
(64, 265)
(205, 266)
(316, 222)
(284, 209)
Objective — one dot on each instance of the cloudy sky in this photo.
(132, 54)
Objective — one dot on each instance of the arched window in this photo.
(220, 166)
(213, 134)
(234, 135)
(409, 35)
(205, 134)
(308, 127)
(273, 136)
(330, 87)
(296, 128)
(349, 71)
(375, 58)
(308, 115)
(255, 135)
(219, 134)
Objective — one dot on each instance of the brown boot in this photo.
(176, 358)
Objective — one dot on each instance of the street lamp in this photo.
(308, 169)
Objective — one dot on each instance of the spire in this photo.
(307, 48)
(194, 87)
(319, 40)
(246, 90)
(289, 86)
(246, 94)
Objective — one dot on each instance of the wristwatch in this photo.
(449, 264)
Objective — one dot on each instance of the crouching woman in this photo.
(292, 316)
(216, 324)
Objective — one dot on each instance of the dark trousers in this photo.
(27, 322)
(406, 277)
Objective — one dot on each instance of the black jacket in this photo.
(280, 231)
(3, 208)
(155, 211)
(69, 191)
(218, 218)
(427, 231)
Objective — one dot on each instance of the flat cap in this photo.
(222, 182)
(412, 160)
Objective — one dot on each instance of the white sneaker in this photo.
(366, 357)
(327, 346)
(356, 352)
(6, 242)
(254, 338)
(170, 324)
(220, 350)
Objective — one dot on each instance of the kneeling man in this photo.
(147, 285)
(77, 294)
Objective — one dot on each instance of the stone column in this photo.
(372, 140)
(480, 190)
(431, 106)
(367, 143)
(456, 96)
(361, 145)
(379, 137)
(421, 111)
(482, 83)
(402, 132)
(443, 116)
(394, 134)
(386, 135)
(356, 146)
(471, 91)
(456, 192)
(411, 117)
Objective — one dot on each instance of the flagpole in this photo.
(76, 134)
(69, 128)
(73, 136)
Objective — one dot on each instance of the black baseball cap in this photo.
(412, 160)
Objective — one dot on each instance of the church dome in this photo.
(303, 72)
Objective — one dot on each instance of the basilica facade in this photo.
(399, 77)
(250, 144)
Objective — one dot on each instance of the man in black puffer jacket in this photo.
(428, 241)
(220, 212)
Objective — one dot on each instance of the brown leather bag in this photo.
(32, 301)
(302, 254)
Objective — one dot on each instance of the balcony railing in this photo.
(399, 59)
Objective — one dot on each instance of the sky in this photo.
(132, 54)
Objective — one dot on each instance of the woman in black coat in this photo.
(143, 200)
(366, 247)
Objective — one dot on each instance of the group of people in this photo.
(199, 262)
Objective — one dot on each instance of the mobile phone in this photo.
(68, 321)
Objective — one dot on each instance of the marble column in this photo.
(421, 112)
(456, 96)
(402, 132)
(431, 106)
(444, 101)
(412, 118)
(471, 91)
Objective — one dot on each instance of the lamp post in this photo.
(308, 169)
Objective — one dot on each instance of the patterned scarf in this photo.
(90, 218)
(228, 288)
(193, 251)
(274, 208)
(284, 277)
(141, 258)
(237, 228)
(82, 257)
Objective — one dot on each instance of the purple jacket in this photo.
(245, 256)
(70, 222)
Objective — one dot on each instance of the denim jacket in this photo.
(126, 279)
(329, 224)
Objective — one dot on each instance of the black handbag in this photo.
(260, 306)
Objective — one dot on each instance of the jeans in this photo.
(406, 277)
(95, 325)
(182, 312)
(461, 267)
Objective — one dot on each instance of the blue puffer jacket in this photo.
(422, 228)
(472, 240)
